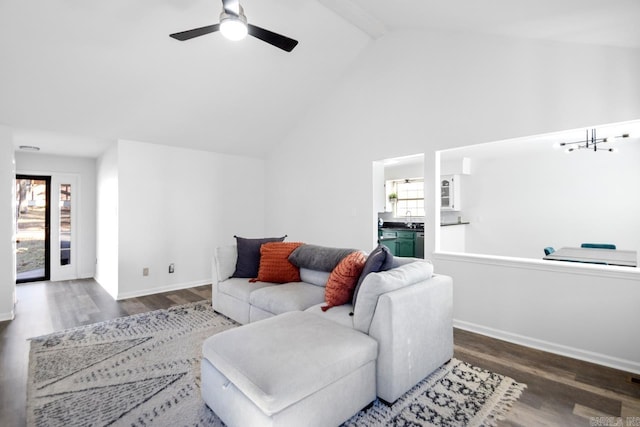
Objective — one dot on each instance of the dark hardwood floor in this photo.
(560, 391)
(46, 307)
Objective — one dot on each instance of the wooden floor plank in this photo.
(560, 391)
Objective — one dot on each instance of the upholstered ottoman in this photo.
(293, 369)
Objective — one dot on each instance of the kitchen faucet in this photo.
(408, 215)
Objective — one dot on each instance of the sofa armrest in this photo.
(224, 262)
(414, 329)
(376, 284)
(223, 266)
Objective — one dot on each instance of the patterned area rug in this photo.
(144, 370)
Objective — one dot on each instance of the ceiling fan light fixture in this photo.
(233, 27)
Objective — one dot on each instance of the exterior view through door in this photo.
(33, 216)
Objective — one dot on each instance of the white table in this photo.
(595, 256)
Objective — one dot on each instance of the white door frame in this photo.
(69, 271)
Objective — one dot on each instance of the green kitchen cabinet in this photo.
(390, 244)
(388, 238)
(405, 243)
(400, 242)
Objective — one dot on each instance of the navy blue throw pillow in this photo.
(248, 262)
(380, 259)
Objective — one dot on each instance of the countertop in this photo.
(401, 226)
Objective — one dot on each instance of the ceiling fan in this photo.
(233, 26)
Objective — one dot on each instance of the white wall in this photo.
(7, 225)
(520, 203)
(585, 312)
(175, 206)
(415, 92)
(402, 171)
(424, 91)
(85, 194)
(107, 220)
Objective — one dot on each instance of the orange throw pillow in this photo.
(274, 263)
(343, 279)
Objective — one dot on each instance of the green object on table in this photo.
(598, 246)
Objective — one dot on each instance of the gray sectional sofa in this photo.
(407, 310)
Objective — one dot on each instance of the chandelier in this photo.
(592, 142)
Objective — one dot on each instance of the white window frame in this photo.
(69, 271)
(392, 187)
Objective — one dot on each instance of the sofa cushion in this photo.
(380, 259)
(278, 299)
(318, 257)
(315, 277)
(398, 261)
(248, 260)
(240, 288)
(376, 284)
(343, 279)
(274, 263)
(342, 314)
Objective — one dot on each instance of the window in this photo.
(65, 224)
(410, 192)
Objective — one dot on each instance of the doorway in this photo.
(33, 219)
(399, 204)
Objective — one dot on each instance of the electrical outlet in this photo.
(172, 268)
(145, 271)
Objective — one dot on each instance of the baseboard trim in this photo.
(159, 290)
(562, 350)
(7, 316)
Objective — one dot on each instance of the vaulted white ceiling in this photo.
(75, 74)
(599, 22)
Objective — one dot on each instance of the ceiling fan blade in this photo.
(277, 40)
(196, 32)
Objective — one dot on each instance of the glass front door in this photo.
(65, 224)
(33, 194)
